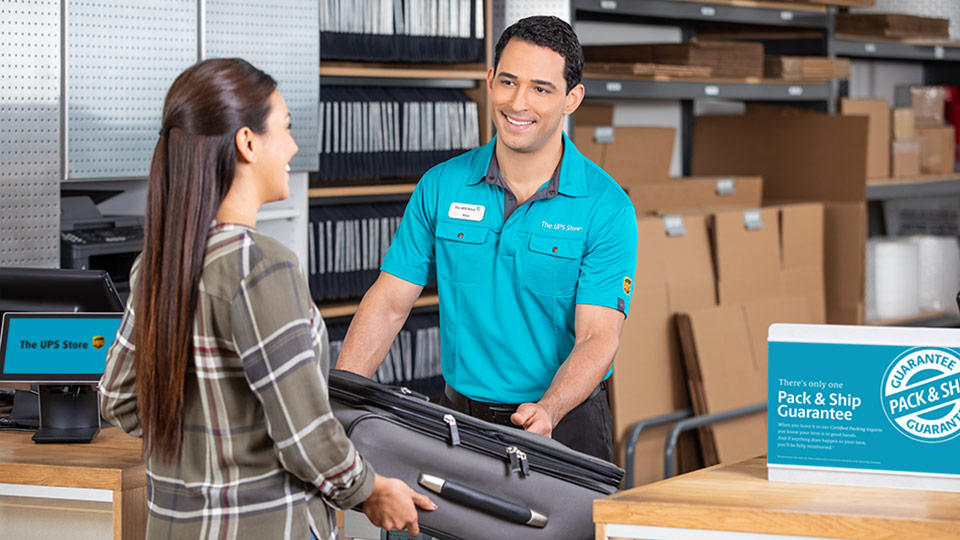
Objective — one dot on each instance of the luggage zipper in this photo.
(454, 431)
(518, 461)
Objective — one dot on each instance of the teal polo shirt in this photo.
(509, 287)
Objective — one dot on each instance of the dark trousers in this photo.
(587, 428)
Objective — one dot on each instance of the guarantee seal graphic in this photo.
(921, 394)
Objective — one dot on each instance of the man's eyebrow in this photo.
(540, 82)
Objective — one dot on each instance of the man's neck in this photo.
(526, 172)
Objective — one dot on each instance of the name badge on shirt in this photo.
(469, 212)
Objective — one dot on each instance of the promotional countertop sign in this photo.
(868, 406)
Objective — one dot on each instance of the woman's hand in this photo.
(393, 505)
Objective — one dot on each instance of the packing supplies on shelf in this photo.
(878, 134)
(725, 58)
(346, 244)
(939, 267)
(436, 31)
(905, 158)
(937, 149)
(928, 104)
(367, 133)
(806, 68)
(893, 278)
(892, 25)
(414, 356)
(903, 124)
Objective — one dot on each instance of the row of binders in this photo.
(446, 31)
(413, 359)
(345, 246)
(373, 132)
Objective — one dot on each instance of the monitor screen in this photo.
(56, 347)
(55, 290)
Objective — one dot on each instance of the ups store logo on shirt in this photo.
(98, 342)
(627, 285)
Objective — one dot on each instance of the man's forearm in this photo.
(379, 318)
(579, 374)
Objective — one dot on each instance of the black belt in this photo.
(497, 413)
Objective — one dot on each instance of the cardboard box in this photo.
(905, 158)
(698, 193)
(878, 136)
(674, 273)
(806, 68)
(725, 58)
(803, 157)
(928, 104)
(725, 355)
(802, 255)
(633, 156)
(903, 125)
(937, 149)
(892, 25)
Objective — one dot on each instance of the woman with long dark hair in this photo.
(219, 362)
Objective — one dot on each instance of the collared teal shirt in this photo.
(509, 288)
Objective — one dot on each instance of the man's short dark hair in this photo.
(552, 33)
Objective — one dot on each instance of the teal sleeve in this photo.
(610, 261)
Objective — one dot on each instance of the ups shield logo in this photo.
(98, 342)
(627, 285)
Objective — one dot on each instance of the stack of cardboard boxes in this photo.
(706, 248)
(907, 142)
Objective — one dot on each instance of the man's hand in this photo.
(392, 505)
(535, 418)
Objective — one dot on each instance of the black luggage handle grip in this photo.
(484, 502)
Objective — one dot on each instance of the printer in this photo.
(91, 241)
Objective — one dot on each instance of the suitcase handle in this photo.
(483, 502)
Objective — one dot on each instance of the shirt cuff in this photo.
(618, 303)
(405, 273)
(360, 491)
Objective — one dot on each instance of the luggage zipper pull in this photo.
(524, 466)
(518, 461)
(454, 432)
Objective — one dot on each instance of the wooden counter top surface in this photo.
(738, 497)
(112, 461)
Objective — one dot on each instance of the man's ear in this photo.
(245, 145)
(490, 73)
(574, 99)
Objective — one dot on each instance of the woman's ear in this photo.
(245, 145)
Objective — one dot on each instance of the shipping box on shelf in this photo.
(878, 136)
(806, 68)
(633, 156)
(892, 25)
(725, 357)
(937, 149)
(725, 58)
(928, 104)
(902, 124)
(803, 157)
(905, 158)
(697, 193)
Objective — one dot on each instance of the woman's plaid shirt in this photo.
(262, 455)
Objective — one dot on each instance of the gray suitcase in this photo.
(489, 481)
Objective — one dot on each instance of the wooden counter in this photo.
(111, 463)
(730, 500)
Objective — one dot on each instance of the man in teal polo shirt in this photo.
(534, 250)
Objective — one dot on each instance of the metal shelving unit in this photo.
(769, 13)
(878, 49)
(683, 89)
(921, 186)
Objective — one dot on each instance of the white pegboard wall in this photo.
(507, 12)
(121, 57)
(29, 133)
(944, 9)
(286, 37)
